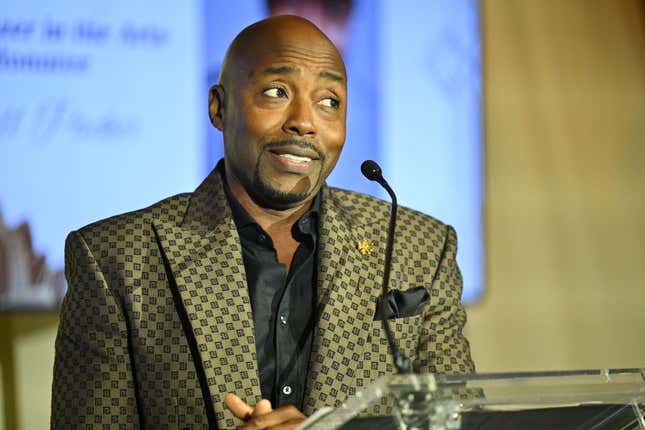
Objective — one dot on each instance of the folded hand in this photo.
(263, 416)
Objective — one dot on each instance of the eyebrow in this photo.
(331, 76)
(287, 70)
(282, 70)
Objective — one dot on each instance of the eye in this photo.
(274, 92)
(330, 102)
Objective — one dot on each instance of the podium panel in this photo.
(591, 399)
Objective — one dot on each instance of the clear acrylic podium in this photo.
(594, 399)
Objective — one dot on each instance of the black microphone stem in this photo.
(401, 362)
(390, 237)
(372, 171)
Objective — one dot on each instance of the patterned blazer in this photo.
(156, 326)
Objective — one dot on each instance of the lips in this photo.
(296, 154)
(295, 158)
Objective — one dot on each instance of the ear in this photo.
(216, 106)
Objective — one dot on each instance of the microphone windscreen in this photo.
(371, 170)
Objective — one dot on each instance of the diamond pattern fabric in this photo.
(156, 327)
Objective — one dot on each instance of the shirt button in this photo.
(283, 319)
(286, 390)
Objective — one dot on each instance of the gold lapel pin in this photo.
(365, 246)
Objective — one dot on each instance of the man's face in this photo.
(284, 119)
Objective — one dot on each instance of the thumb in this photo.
(238, 406)
(263, 407)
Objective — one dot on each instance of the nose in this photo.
(300, 119)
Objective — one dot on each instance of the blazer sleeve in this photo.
(93, 380)
(443, 348)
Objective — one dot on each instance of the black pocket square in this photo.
(398, 304)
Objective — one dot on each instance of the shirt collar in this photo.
(305, 224)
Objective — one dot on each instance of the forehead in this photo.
(295, 56)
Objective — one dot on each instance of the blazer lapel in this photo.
(347, 289)
(205, 257)
(204, 254)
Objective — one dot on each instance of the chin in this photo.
(274, 198)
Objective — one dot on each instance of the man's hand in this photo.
(263, 416)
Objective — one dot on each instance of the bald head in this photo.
(263, 38)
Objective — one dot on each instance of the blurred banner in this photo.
(99, 114)
(103, 111)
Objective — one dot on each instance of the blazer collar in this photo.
(348, 285)
(204, 254)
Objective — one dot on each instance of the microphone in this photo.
(372, 171)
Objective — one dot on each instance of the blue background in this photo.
(123, 122)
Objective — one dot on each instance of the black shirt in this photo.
(283, 303)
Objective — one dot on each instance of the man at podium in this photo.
(261, 284)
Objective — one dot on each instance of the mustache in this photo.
(295, 142)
